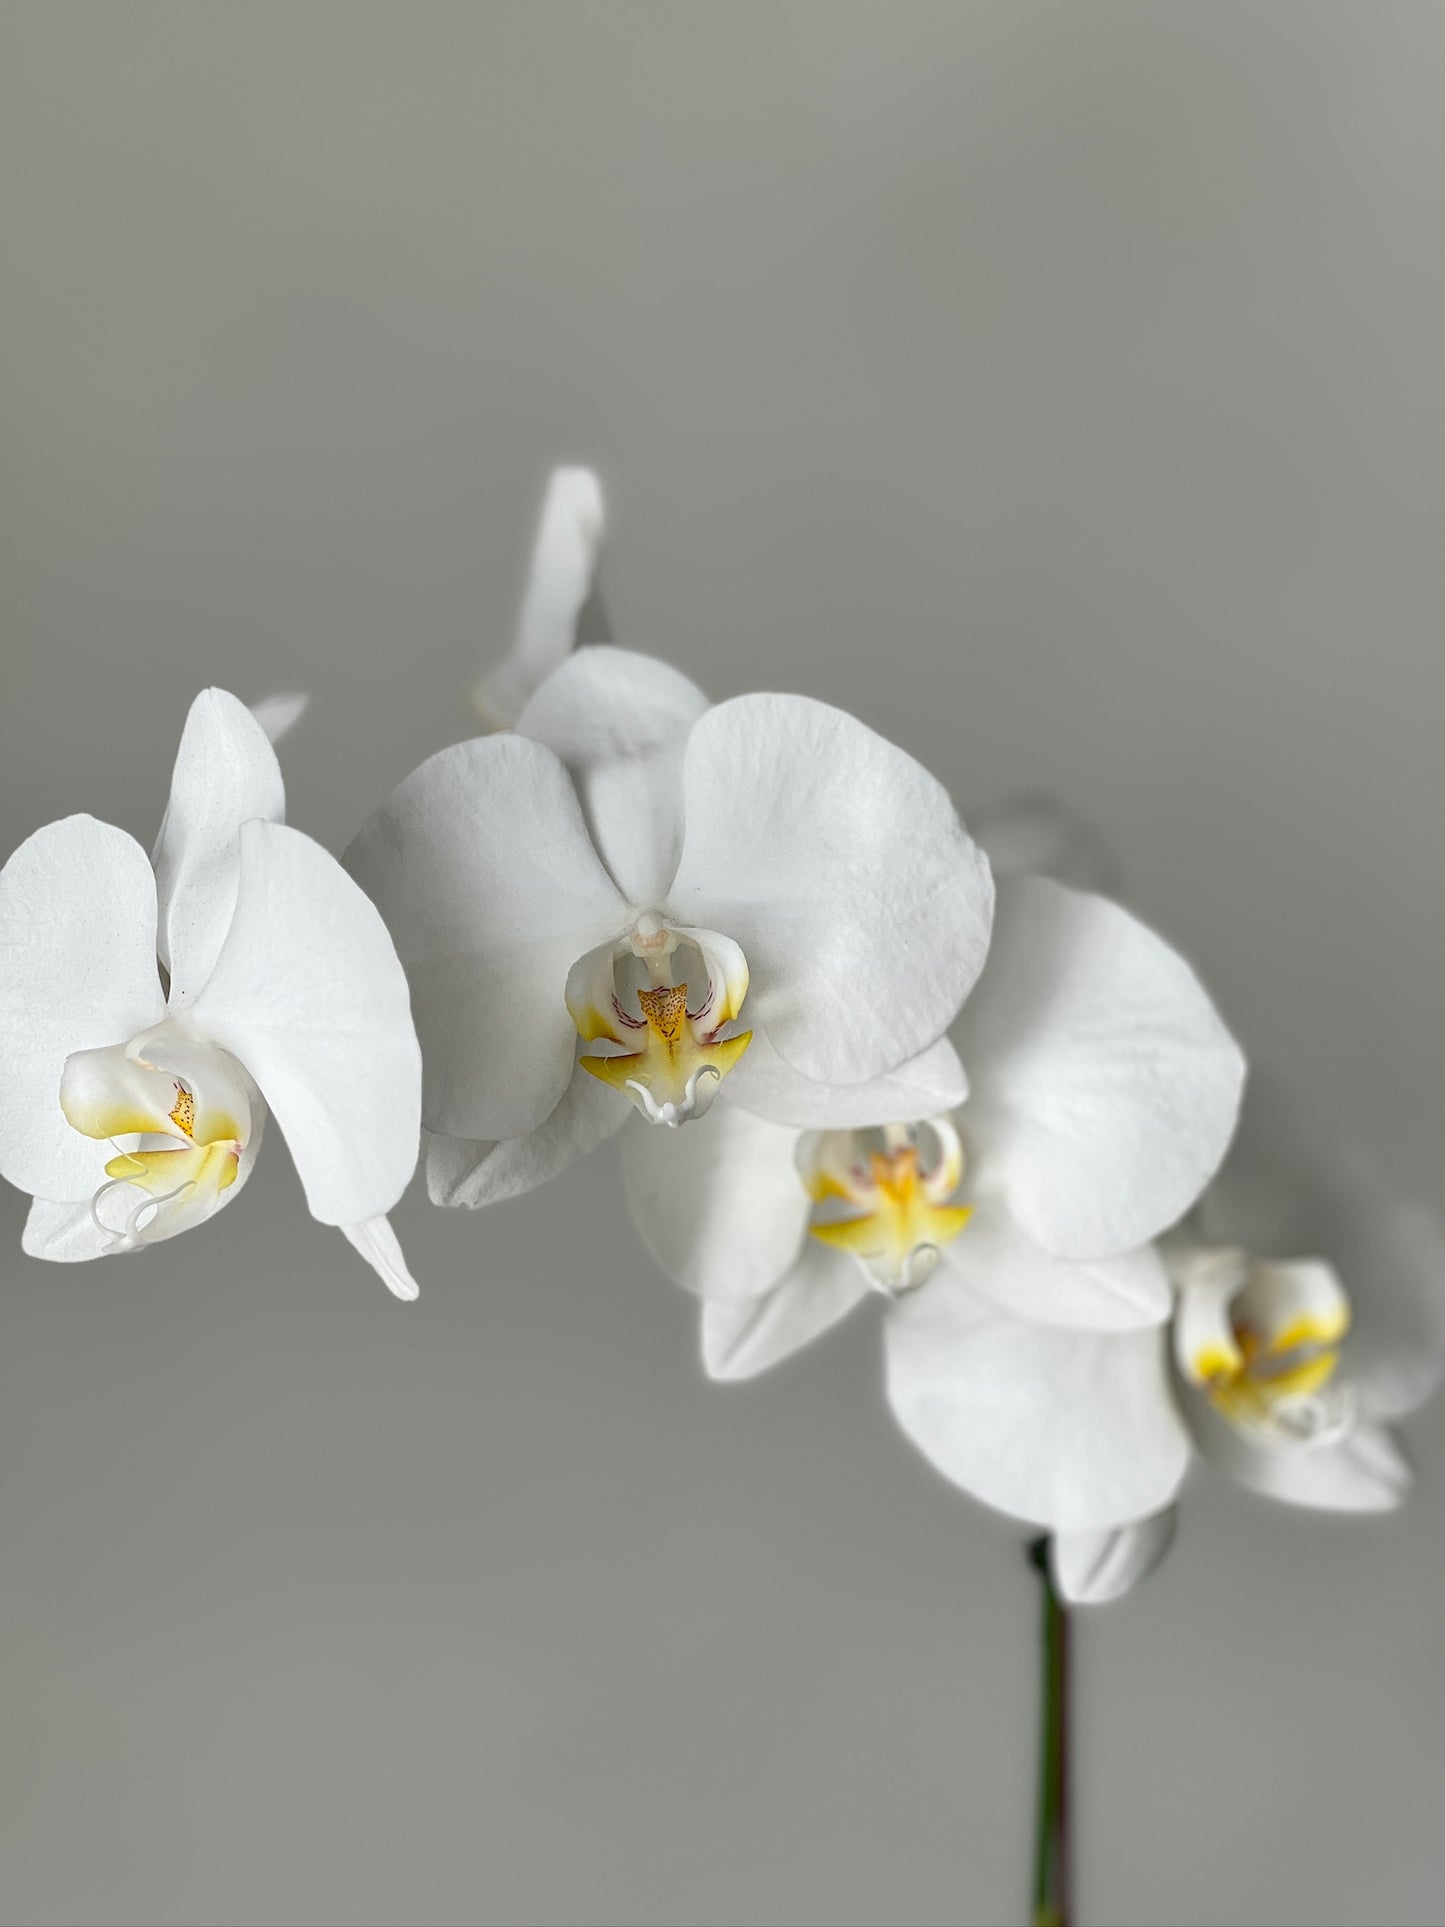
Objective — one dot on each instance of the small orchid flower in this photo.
(585, 904)
(1311, 1316)
(1291, 1370)
(1311, 1302)
(151, 1010)
(1026, 1320)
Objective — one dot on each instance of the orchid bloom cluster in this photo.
(856, 1058)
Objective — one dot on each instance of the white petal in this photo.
(563, 570)
(1208, 1279)
(719, 1203)
(463, 1171)
(77, 970)
(840, 866)
(1001, 1262)
(1298, 1302)
(225, 773)
(1091, 1568)
(926, 1086)
(619, 722)
(744, 1338)
(1067, 1429)
(1365, 1471)
(1104, 1084)
(481, 864)
(377, 1243)
(308, 994)
(1037, 836)
(1294, 1186)
(277, 715)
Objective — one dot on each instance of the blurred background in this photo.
(1056, 387)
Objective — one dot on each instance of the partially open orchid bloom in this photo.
(1026, 1310)
(562, 576)
(1093, 1568)
(636, 901)
(152, 1010)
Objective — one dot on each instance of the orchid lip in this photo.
(177, 1112)
(131, 1235)
(1262, 1342)
(903, 1211)
(664, 998)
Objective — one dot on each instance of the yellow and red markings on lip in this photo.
(183, 1114)
(901, 1217)
(207, 1168)
(673, 1056)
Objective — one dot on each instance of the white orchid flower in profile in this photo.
(151, 1011)
(585, 903)
(1026, 1310)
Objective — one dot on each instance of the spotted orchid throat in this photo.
(186, 1111)
(662, 996)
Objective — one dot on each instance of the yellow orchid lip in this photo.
(197, 1176)
(905, 1215)
(1262, 1339)
(1268, 1376)
(675, 1075)
(201, 1119)
(671, 1055)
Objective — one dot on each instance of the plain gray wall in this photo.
(1059, 388)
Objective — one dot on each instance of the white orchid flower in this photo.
(1026, 1310)
(655, 996)
(584, 904)
(1311, 1300)
(151, 1012)
(1291, 1369)
(1311, 1317)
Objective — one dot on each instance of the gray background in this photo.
(1058, 387)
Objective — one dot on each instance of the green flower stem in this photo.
(1052, 1843)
